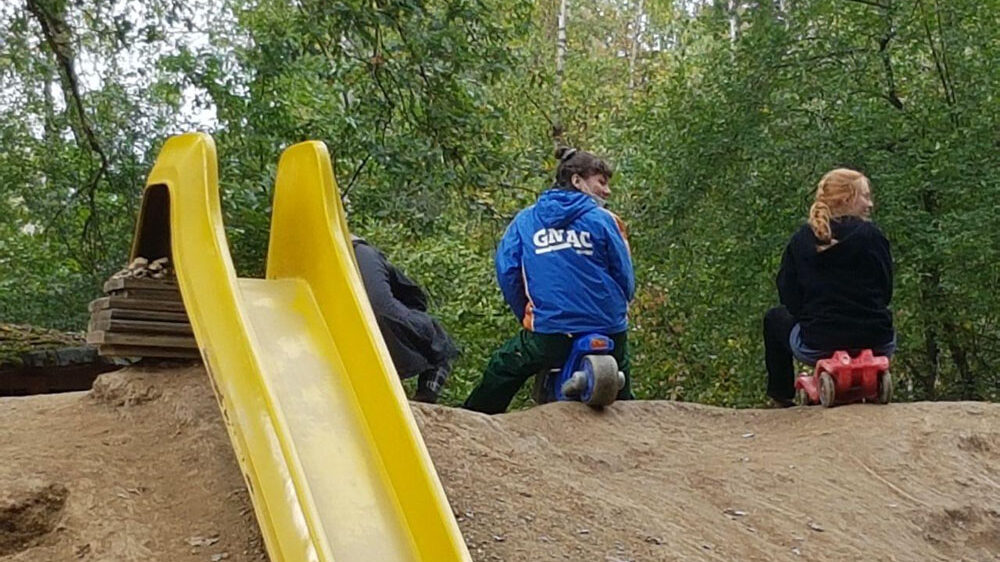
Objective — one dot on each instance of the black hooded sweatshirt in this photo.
(416, 341)
(840, 296)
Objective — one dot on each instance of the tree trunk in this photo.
(557, 122)
(51, 127)
(933, 299)
(928, 381)
(960, 357)
(637, 25)
(734, 20)
(58, 36)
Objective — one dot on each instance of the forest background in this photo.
(442, 116)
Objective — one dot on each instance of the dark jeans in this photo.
(778, 323)
(524, 356)
(778, 353)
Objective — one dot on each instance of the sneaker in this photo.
(429, 384)
(780, 402)
(426, 396)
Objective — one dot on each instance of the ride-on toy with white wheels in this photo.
(843, 379)
(589, 375)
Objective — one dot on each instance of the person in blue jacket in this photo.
(565, 270)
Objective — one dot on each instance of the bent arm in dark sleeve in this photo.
(412, 328)
(883, 255)
(789, 291)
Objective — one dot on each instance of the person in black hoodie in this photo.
(835, 284)
(418, 344)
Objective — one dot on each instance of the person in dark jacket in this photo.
(835, 284)
(565, 270)
(417, 342)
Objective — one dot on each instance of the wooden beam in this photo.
(139, 326)
(139, 283)
(146, 340)
(135, 304)
(143, 351)
(148, 294)
(146, 315)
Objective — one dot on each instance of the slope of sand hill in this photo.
(141, 469)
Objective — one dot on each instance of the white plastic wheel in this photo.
(884, 387)
(827, 390)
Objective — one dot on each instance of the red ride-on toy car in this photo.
(843, 379)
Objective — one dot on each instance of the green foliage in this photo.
(743, 132)
(438, 114)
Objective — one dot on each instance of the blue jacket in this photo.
(564, 266)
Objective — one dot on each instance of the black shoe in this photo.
(425, 396)
(429, 384)
(781, 402)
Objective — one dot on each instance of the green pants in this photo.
(526, 355)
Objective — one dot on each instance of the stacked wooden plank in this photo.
(141, 317)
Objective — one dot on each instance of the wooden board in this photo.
(141, 351)
(140, 283)
(139, 326)
(148, 315)
(148, 294)
(146, 340)
(135, 304)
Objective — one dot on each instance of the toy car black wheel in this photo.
(884, 387)
(539, 392)
(801, 397)
(604, 370)
(827, 390)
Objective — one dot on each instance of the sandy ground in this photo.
(141, 469)
(144, 467)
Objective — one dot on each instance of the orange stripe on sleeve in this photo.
(622, 228)
(529, 308)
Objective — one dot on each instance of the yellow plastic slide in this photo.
(331, 454)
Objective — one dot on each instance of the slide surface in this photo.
(332, 457)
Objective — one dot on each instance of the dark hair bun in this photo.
(564, 152)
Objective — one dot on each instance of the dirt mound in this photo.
(673, 481)
(149, 475)
(144, 467)
(127, 388)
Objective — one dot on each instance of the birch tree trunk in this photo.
(637, 24)
(557, 122)
(734, 20)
